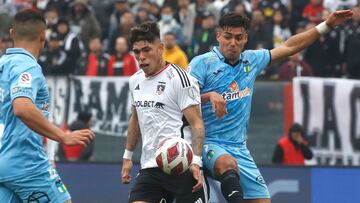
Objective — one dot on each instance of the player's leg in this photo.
(181, 186)
(41, 187)
(252, 182)
(148, 187)
(8, 196)
(224, 168)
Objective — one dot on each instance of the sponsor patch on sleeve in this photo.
(25, 80)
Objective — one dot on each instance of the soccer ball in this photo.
(174, 155)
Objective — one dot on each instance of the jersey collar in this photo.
(19, 51)
(216, 50)
(159, 71)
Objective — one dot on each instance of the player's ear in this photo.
(218, 35)
(246, 37)
(43, 36)
(161, 47)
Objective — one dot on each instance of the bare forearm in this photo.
(205, 98)
(133, 134)
(197, 140)
(36, 121)
(302, 40)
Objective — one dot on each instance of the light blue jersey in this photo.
(228, 134)
(21, 149)
(235, 84)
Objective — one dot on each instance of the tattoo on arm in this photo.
(133, 130)
(197, 140)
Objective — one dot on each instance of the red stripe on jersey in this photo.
(159, 71)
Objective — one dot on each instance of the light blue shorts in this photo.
(36, 188)
(251, 180)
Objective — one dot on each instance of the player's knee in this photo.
(225, 163)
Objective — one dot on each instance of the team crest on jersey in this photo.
(25, 80)
(247, 67)
(160, 88)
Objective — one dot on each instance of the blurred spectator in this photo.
(79, 152)
(61, 5)
(52, 17)
(220, 4)
(127, 21)
(172, 52)
(313, 11)
(268, 8)
(324, 55)
(352, 46)
(280, 30)
(296, 10)
(96, 62)
(203, 7)
(260, 32)
(53, 58)
(185, 17)
(292, 149)
(71, 44)
(83, 21)
(233, 5)
(142, 16)
(333, 5)
(169, 24)
(294, 67)
(120, 7)
(122, 63)
(205, 37)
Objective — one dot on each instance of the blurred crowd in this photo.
(91, 37)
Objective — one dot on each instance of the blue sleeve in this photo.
(262, 58)
(26, 83)
(197, 70)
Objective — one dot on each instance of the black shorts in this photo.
(153, 185)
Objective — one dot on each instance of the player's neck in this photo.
(32, 48)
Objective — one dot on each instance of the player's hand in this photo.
(339, 17)
(218, 105)
(125, 171)
(79, 137)
(197, 174)
(53, 164)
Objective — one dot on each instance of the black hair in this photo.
(147, 31)
(234, 19)
(28, 25)
(296, 127)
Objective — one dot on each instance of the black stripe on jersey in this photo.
(183, 76)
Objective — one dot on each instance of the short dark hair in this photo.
(147, 31)
(28, 25)
(234, 19)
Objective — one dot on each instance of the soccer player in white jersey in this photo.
(226, 76)
(162, 95)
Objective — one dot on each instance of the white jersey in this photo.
(159, 101)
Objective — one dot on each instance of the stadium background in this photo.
(332, 176)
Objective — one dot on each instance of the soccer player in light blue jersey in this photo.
(226, 76)
(25, 171)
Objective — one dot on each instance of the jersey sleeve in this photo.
(26, 83)
(186, 91)
(262, 58)
(197, 70)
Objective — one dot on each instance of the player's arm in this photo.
(193, 116)
(302, 40)
(26, 110)
(132, 139)
(217, 101)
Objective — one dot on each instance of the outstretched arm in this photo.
(26, 110)
(300, 41)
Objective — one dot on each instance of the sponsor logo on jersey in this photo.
(38, 197)
(235, 93)
(149, 104)
(25, 80)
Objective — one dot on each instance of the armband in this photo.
(323, 28)
(128, 154)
